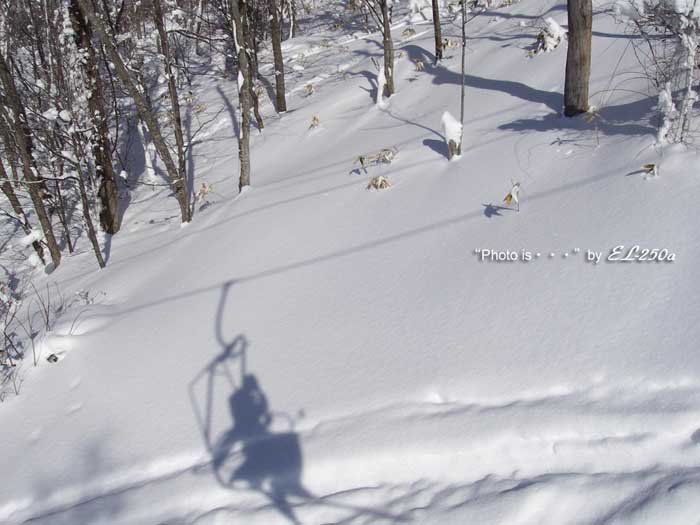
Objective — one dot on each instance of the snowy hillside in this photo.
(409, 377)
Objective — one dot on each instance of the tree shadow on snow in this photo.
(442, 75)
(438, 146)
(231, 110)
(491, 210)
(371, 80)
(252, 454)
(610, 120)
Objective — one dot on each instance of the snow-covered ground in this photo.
(407, 380)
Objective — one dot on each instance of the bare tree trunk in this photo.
(256, 105)
(172, 90)
(142, 107)
(690, 47)
(437, 31)
(198, 27)
(578, 57)
(88, 220)
(11, 154)
(9, 192)
(458, 149)
(388, 50)
(23, 139)
(101, 146)
(60, 207)
(240, 29)
(276, 35)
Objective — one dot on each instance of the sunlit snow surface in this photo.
(313, 352)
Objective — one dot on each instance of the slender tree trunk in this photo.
(172, 90)
(276, 35)
(578, 57)
(464, 72)
(101, 146)
(240, 28)
(388, 50)
(198, 27)
(142, 107)
(60, 207)
(256, 106)
(437, 31)
(9, 192)
(23, 139)
(11, 154)
(690, 47)
(88, 220)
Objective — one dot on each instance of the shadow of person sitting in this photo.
(261, 451)
(250, 453)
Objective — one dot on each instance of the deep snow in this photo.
(408, 381)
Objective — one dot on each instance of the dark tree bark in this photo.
(578, 57)
(458, 147)
(240, 30)
(9, 191)
(88, 220)
(437, 31)
(23, 139)
(388, 49)
(145, 114)
(276, 36)
(101, 146)
(172, 90)
(292, 18)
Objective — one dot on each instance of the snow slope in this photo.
(408, 381)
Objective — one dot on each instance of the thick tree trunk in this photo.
(388, 50)
(23, 140)
(101, 147)
(240, 33)
(172, 90)
(276, 35)
(437, 31)
(578, 57)
(143, 109)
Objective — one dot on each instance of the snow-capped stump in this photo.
(453, 135)
(383, 156)
(420, 65)
(309, 90)
(548, 38)
(315, 122)
(378, 183)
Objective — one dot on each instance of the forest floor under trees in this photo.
(407, 380)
